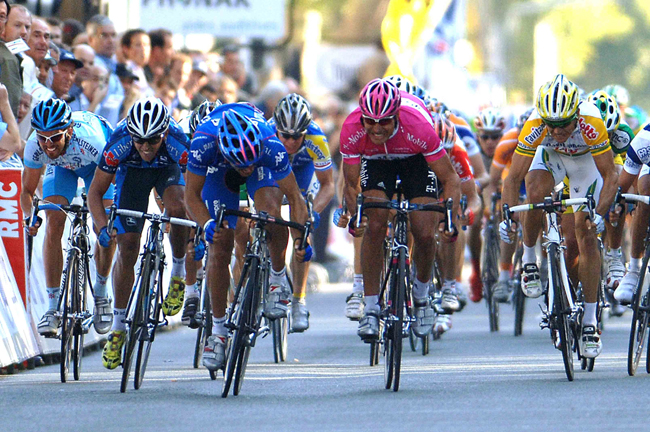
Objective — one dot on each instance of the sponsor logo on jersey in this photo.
(196, 154)
(279, 158)
(417, 141)
(354, 138)
(535, 133)
(183, 159)
(111, 159)
(84, 145)
(588, 130)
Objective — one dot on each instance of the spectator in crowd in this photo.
(180, 70)
(270, 95)
(166, 90)
(162, 51)
(71, 28)
(131, 92)
(94, 88)
(24, 107)
(136, 47)
(39, 44)
(10, 74)
(103, 40)
(56, 30)
(44, 72)
(198, 78)
(81, 38)
(226, 88)
(19, 23)
(233, 66)
(86, 55)
(64, 75)
(207, 92)
(10, 141)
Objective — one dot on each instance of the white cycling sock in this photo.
(589, 317)
(53, 297)
(178, 267)
(635, 264)
(192, 291)
(219, 327)
(357, 285)
(118, 319)
(529, 255)
(372, 304)
(276, 278)
(504, 275)
(100, 285)
(420, 289)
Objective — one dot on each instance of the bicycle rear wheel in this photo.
(67, 319)
(78, 330)
(561, 312)
(137, 324)
(639, 325)
(152, 316)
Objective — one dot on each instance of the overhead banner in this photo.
(221, 18)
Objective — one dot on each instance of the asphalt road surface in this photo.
(471, 381)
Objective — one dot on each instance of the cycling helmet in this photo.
(379, 98)
(240, 140)
(401, 83)
(445, 130)
(200, 112)
(52, 114)
(437, 106)
(608, 108)
(557, 99)
(523, 118)
(147, 118)
(619, 93)
(292, 114)
(421, 93)
(490, 119)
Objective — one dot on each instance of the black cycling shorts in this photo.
(416, 177)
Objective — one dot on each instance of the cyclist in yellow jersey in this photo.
(564, 138)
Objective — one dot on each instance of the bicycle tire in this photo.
(78, 331)
(491, 276)
(413, 340)
(374, 352)
(560, 307)
(280, 329)
(518, 297)
(153, 302)
(236, 344)
(67, 319)
(639, 324)
(389, 330)
(135, 327)
(425, 345)
(402, 276)
(204, 330)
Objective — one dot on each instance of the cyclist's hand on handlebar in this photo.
(508, 232)
(105, 238)
(199, 250)
(32, 230)
(598, 223)
(302, 255)
(615, 213)
(466, 219)
(448, 236)
(357, 231)
(341, 218)
(210, 230)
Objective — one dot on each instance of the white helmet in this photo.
(490, 119)
(401, 83)
(147, 118)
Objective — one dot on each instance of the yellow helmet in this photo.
(558, 99)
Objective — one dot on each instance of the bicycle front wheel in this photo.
(397, 321)
(80, 308)
(518, 297)
(639, 325)
(153, 303)
(491, 275)
(67, 319)
(561, 312)
(280, 329)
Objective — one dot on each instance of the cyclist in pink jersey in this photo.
(392, 135)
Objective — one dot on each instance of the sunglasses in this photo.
(154, 140)
(295, 136)
(54, 138)
(491, 136)
(382, 121)
(558, 124)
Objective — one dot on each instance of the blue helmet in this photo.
(240, 139)
(52, 114)
(421, 93)
(200, 112)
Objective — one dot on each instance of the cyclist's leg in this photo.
(625, 290)
(170, 185)
(475, 243)
(613, 254)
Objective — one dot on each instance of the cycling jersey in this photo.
(638, 153)
(314, 150)
(413, 135)
(460, 161)
(121, 152)
(505, 149)
(464, 131)
(590, 135)
(90, 134)
(621, 138)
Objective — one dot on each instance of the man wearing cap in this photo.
(62, 81)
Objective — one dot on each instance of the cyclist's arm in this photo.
(605, 165)
(297, 207)
(468, 188)
(326, 192)
(193, 188)
(30, 179)
(351, 174)
(518, 170)
(100, 184)
(481, 175)
(446, 173)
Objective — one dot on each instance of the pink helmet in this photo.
(379, 98)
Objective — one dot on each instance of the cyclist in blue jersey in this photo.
(147, 149)
(311, 163)
(68, 146)
(233, 146)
